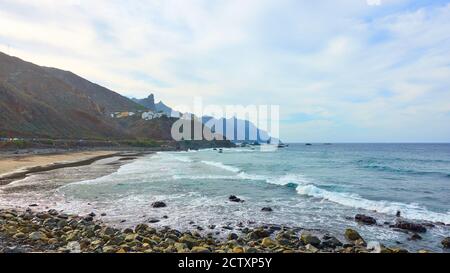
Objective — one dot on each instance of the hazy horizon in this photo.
(349, 71)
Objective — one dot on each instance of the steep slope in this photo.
(109, 100)
(148, 102)
(35, 103)
(43, 102)
(160, 107)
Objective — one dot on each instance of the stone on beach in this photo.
(352, 235)
(43, 232)
(268, 242)
(37, 236)
(309, 239)
(199, 249)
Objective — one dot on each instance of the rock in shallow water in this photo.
(415, 237)
(234, 198)
(159, 204)
(410, 226)
(446, 242)
(364, 219)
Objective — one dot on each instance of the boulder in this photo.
(199, 249)
(364, 219)
(258, 234)
(73, 247)
(159, 204)
(352, 235)
(308, 239)
(267, 209)
(234, 198)
(37, 235)
(141, 228)
(268, 242)
(311, 248)
(446, 242)
(331, 242)
(238, 250)
(110, 249)
(410, 226)
(109, 231)
(415, 237)
(189, 241)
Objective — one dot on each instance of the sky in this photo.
(340, 70)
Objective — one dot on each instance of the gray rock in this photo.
(159, 204)
(446, 242)
(364, 219)
(402, 224)
(308, 239)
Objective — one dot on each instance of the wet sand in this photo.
(13, 167)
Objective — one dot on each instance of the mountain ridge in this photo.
(43, 102)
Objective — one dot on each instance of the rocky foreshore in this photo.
(53, 231)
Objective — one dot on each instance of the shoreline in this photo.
(271, 238)
(53, 161)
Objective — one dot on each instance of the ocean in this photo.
(319, 187)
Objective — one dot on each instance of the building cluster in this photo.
(152, 115)
(149, 115)
(122, 114)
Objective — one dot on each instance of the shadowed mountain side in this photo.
(109, 101)
(35, 103)
(42, 102)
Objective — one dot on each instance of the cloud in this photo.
(344, 69)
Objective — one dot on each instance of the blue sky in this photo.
(341, 70)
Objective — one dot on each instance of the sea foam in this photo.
(222, 166)
(411, 211)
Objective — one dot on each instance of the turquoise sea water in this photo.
(318, 187)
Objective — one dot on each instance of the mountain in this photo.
(36, 103)
(243, 130)
(159, 107)
(148, 103)
(44, 102)
(162, 108)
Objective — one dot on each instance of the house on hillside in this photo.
(152, 115)
(122, 114)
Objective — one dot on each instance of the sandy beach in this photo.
(17, 166)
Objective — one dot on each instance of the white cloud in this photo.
(382, 68)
